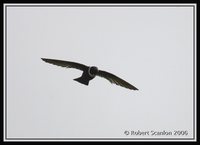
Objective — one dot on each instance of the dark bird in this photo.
(89, 73)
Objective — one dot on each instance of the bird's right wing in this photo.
(115, 79)
(67, 64)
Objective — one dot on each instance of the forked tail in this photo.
(82, 80)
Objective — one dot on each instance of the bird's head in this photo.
(93, 71)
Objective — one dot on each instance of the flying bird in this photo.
(90, 72)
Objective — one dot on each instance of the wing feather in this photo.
(67, 64)
(116, 80)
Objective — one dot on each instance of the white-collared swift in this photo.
(90, 72)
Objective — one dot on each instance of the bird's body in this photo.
(90, 73)
(87, 75)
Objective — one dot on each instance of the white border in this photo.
(96, 139)
(109, 4)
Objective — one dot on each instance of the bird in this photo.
(90, 72)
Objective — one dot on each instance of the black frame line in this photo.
(99, 139)
(5, 25)
(194, 69)
(99, 5)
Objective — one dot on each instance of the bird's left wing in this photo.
(116, 80)
(67, 64)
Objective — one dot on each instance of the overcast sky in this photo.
(150, 47)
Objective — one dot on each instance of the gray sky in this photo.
(150, 47)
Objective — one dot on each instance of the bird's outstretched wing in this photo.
(67, 64)
(116, 80)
